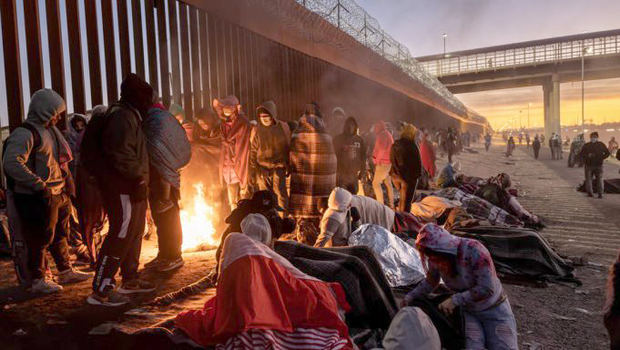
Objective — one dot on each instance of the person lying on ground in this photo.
(345, 212)
(263, 301)
(35, 159)
(496, 191)
(169, 150)
(465, 266)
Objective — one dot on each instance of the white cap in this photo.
(257, 227)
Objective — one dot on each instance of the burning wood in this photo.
(197, 219)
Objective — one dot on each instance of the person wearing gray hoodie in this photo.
(36, 167)
(269, 152)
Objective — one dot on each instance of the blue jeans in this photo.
(491, 329)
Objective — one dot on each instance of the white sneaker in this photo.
(73, 276)
(45, 286)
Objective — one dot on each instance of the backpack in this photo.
(91, 148)
(10, 183)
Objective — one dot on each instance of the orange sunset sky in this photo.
(501, 107)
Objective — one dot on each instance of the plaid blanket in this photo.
(313, 167)
(480, 208)
(357, 270)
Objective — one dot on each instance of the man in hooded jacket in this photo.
(269, 152)
(406, 166)
(36, 177)
(351, 153)
(124, 188)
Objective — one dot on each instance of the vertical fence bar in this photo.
(174, 51)
(185, 61)
(12, 68)
(151, 43)
(52, 8)
(94, 64)
(204, 59)
(164, 71)
(220, 46)
(234, 62)
(75, 56)
(213, 62)
(195, 46)
(33, 45)
(110, 54)
(138, 45)
(123, 37)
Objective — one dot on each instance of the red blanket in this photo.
(259, 291)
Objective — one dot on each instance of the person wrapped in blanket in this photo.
(466, 267)
(263, 301)
(345, 212)
(496, 191)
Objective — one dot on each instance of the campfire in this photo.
(197, 219)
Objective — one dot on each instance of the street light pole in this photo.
(444, 44)
(584, 50)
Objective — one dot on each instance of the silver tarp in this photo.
(400, 262)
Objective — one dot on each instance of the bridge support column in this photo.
(551, 92)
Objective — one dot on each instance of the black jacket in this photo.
(124, 149)
(350, 151)
(405, 159)
(594, 153)
(269, 145)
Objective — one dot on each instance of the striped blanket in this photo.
(313, 167)
(480, 208)
(263, 302)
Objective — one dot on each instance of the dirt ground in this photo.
(548, 316)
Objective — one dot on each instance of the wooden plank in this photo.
(195, 47)
(174, 51)
(213, 62)
(151, 43)
(75, 57)
(185, 61)
(164, 70)
(109, 52)
(204, 59)
(94, 64)
(138, 45)
(123, 37)
(12, 68)
(33, 45)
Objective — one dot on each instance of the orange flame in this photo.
(197, 220)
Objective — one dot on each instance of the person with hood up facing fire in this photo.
(406, 166)
(169, 151)
(35, 161)
(350, 151)
(269, 152)
(235, 129)
(465, 266)
(335, 121)
(381, 159)
(124, 188)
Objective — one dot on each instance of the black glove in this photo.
(140, 193)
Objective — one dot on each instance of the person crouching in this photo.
(466, 267)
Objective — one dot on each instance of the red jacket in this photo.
(383, 144)
(427, 153)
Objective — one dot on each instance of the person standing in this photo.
(235, 130)
(381, 160)
(406, 166)
(527, 140)
(169, 150)
(593, 154)
(552, 146)
(487, 141)
(34, 156)
(451, 143)
(613, 145)
(350, 151)
(269, 152)
(124, 187)
(536, 146)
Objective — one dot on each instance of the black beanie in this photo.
(137, 92)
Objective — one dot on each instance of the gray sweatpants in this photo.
(493, 329)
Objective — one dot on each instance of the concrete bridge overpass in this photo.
(192, 51)
(545, 63)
